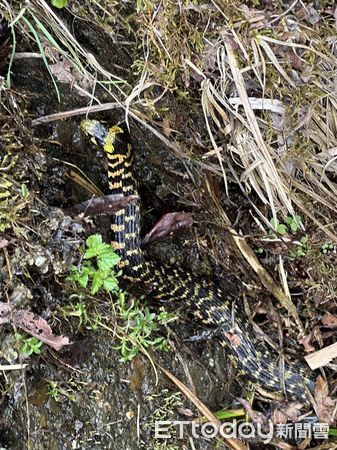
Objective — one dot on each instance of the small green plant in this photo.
(54, 390)
(139, 325)
(166, 404)
(281, 228)
(24, 190)
(59, 3)
(301, 248)
(259, 250)
(29, 345)
(79, 310)
(99, 260)
(291, 224)
(327, 247)
(11, 204)
(64, 390)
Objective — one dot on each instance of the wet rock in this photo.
(20, 295)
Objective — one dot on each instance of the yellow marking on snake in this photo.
(110, 139)
(116, 185)
(118, 245)
(117, 228)
(116, 174)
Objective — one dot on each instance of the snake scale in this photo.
(207, 301)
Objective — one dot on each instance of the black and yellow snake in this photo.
(208, 302)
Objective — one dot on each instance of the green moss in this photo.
(169, 33)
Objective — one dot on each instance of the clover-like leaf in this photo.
(282, 229)
(59, 3)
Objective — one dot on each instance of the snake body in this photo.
(208, 302)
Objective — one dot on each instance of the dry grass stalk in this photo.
(280, 179)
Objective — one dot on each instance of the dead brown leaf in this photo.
(166, 127)
(292, 411)
(306, 342)
(329, 320)
(322, 357)
(32, 324)
(168, 225)
(324, 405)
(295, 61)
(309, 13)
(65, 73)
(255, 416)
(3, 242)
(185, 412)
(255, 17)
(62, 71)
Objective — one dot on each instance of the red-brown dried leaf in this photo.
(329, 320)
(4, 242)
(166, 127)
(310, 14)
(292, 411)
(32, 324)
(255, 17)
(65, 73)
(168, 225)
(62, 71)
(255, 416)
(185, 412)
(324, 405)
(306, 342)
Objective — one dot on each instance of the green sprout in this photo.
(259, 250)
(291, 224)
(99, 260)
(79, 310)
(54, 390)
(29, 345)
(135, 333)
(327, 247)
(301, 248)
(138, 328)
(59, 3)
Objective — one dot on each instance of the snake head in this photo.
(101, 134)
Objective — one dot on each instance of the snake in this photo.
(208, 302)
